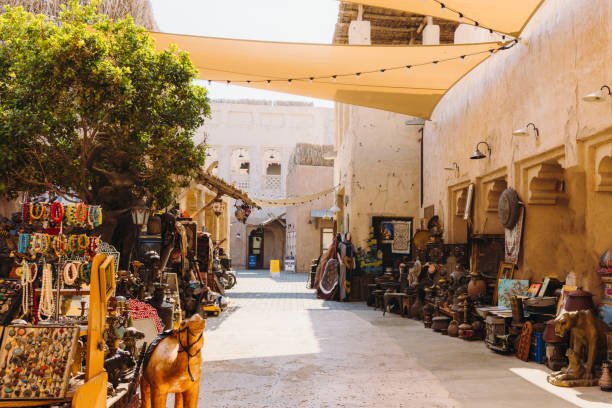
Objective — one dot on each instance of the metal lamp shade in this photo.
(477, 155)
(140, 215)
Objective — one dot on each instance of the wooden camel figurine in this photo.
(174, 366)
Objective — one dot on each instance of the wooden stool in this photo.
(398, 297)
(370, 299)
(379, 300)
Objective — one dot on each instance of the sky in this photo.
(310, 21)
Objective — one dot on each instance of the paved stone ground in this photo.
(279, 346)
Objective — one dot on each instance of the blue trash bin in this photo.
(252, 261)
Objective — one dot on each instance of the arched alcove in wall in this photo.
(547, 184)
(604, 174)
(495, 188)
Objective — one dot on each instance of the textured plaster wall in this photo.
(378, 165)
(566, 53)
(303, 180)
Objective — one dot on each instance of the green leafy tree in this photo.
(89, 108)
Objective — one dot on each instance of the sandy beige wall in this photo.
(304, 180)
(566, 53)
(378, 164)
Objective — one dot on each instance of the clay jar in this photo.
(579, 300)
(453, 328)
(477, 286)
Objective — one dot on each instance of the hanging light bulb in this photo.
(334, 78)
(268, 81)
(461, 17)
(310, 79)
(382, 71)
(289, 81)
(462, 58)
(358, 75)
(209, 82)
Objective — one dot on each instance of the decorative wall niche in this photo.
(460, 200)
(457, 227)
(542, 177)
(494, 190)
(546, 183)
(604, 172)
(596, 158)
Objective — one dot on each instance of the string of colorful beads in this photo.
(39, 243)
(79, 214)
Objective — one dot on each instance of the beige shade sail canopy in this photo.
(503, 16)
(289, 66)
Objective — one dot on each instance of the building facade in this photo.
(250, 143)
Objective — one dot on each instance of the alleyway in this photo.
(278, 346)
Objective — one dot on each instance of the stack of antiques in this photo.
(550, 322)
(70, 316)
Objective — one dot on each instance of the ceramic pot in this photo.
(605, 382)
(477, 286)
(453, 328)
(579, 300)
(549, 335)
(440, 323)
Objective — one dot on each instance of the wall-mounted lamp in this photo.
(525, 131)
(238, 236)
(477, 154)
(598, 96)
(454, 167)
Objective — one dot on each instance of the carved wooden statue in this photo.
(586, 345)
(174, 366)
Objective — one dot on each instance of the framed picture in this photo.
(534, 289)
(505, 271)
(468, 202)
(564, 291)
(387, 232)
(508, 288)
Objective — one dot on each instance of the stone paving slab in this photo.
(279, 346)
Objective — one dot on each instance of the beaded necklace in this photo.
(47, 302)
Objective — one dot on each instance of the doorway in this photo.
(256, 249)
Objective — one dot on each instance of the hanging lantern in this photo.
(140, 214)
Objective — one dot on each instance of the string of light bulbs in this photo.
(467, 20)
(462, 18)
(334, 77)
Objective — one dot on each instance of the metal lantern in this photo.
(217, 206)
(140, 214)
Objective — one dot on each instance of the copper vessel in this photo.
(477, 286)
